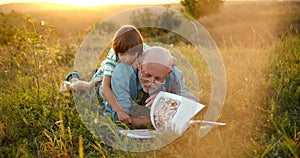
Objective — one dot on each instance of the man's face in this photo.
(152, 76)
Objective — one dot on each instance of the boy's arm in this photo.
(82, 86)
(120, 85)
(121, 77)
(112, 101)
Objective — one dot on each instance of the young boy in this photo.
(127, 45)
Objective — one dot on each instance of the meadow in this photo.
(259, 43)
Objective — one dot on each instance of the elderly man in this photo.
(154, 74)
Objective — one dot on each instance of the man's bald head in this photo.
(158, 55)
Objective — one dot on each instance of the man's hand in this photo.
(150, 100)
(141, 122)
(124, 117)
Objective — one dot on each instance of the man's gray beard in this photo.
(155, 91)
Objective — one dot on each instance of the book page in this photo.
(173, 112)
(169, 112)
(140, 133)
(186, 112)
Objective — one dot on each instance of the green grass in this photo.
(261, 107)
(282, 129)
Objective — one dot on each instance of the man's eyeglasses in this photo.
(143, 77)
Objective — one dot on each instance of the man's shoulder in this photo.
(122, 69)
(176, 76)
(145, 46)
(176, 71)
(120, 66)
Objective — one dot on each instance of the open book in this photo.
(169, 112)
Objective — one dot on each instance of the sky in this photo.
(82, 3)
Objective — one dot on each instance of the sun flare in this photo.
(85, 3)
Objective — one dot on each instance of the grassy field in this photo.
(257, 40)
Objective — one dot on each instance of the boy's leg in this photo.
(72, 75)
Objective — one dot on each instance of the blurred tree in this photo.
(168, 20)
(200, 8)
(147, 18)
(165, 22)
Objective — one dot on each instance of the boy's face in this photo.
(128, 58)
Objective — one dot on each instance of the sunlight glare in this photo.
(84, 3)
(81, 3)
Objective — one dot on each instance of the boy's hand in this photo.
(150, 100)
(124, 117)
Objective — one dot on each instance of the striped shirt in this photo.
(107, 66)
